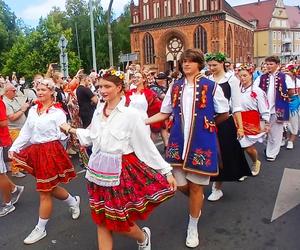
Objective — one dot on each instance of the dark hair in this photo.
(274, 59)
(193, 55)
(115, 80)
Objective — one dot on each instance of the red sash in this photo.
(251, 122)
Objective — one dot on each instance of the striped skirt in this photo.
(141, 189)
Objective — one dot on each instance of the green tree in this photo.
(8, 29)
(33, 52)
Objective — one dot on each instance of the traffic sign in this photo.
(63, 42)
(128, 57)
(63, 57)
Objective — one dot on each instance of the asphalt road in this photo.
(241, 220)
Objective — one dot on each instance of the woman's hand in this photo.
(267, 128)
(240, 133)
(10, 154)
(65, 127)
(172, 182)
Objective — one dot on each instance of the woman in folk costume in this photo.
(294, 104)
(40, 152)
(144, 99)
(127, 176)
(233, 164)
(276, 85)
(194, 102)
(255, 107)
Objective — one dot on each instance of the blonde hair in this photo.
(48, 82)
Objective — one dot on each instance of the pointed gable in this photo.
(294, 16)
(261, 12)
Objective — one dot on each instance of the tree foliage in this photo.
(31, 50)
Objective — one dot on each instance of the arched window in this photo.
(148, 49)
(229, 42)
(200, 39)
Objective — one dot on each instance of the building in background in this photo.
(277, 29)
(162, 29)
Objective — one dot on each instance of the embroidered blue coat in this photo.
(281, 98)
(201, 152)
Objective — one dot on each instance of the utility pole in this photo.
(110, 50)
(92, 34)
(77, 41)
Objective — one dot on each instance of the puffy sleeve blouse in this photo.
(40, 128)
(123, 132)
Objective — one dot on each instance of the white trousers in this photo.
(274, 137)
(294, 123)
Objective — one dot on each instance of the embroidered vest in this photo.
(281, 98)
(201, 152)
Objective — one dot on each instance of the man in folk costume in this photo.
(276, 85)
(194, 102)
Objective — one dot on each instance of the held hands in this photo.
(65, 127)
(171, 180)
(267, 128)
(10, 154)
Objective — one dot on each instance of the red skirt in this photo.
(48, 163)
(141, 189)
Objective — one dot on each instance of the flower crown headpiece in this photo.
(294, 69)
(249, 67)
(111, 72)
(219, 57)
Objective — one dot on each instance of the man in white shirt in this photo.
(276, 85)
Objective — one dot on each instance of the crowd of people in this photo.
(208, 115)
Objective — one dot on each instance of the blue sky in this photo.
(31, 11)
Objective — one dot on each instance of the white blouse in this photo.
(123, 132)
(40, 128)
(259, 102)
(234, 83)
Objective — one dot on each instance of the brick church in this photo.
(162, 29)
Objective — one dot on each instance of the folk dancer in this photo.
(294, 104)
(233, 163)
(255, 107)
(127, 177)
(276, 85)
(194, 102)
(39, 150)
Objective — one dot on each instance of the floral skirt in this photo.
(48, 163)
(141, 189)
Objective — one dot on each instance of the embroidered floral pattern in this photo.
(173, 151)
(280, 113)
(202, 157)
(175, 96)
(210, 125)
(253, 94)
(203, 97)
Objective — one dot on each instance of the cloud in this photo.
(34, 12)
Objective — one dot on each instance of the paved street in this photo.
(241, 220)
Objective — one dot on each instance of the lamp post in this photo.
(92, 35)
